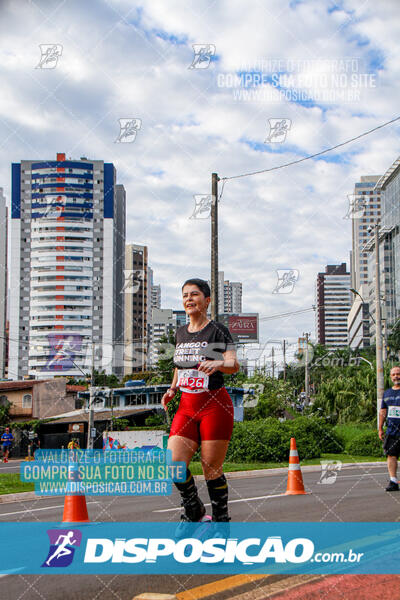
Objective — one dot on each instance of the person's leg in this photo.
(392, 467)
(215, 432)
(183, 449)
(213, 454)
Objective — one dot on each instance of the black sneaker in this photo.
(392, 487)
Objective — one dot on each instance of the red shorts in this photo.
(204, 416)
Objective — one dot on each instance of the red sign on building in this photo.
(243, 327)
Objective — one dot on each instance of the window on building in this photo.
(27, 401)
(3, 400)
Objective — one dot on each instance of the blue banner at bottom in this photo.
(201, 548)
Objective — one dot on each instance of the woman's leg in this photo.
(182, 450)
(213, 454)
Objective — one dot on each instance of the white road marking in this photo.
(163, 510)
(362, 475)
(29, 510)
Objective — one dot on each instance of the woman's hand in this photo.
(169, 394)
(210, 366)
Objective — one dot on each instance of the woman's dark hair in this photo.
(201, 284)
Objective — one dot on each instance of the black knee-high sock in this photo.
(194, 508)
(218, 491)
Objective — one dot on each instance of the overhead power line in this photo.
(294, 162)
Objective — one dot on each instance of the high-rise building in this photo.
(229, 295)
(3, 281)
(67, 260)
(136, 308)
(389, 250)
(156, 296)
(358, 320)
(180, 318)
(364, 211)
(162, 324)
(333, 304)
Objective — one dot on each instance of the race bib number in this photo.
(192, 379)
(394, 412)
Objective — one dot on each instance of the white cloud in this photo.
(122, 59)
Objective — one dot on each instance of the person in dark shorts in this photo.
(204, 352)
(6, 442)
(390, 412)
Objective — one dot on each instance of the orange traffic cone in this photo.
(75, 509)
(295, 483)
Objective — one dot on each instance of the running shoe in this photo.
(392, 487)
(185, 527)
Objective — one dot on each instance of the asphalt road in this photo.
(358, 494)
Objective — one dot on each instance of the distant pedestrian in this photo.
(6, 441)
(73, 445)
(390, 412)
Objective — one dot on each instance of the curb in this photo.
(284, 470)
(4, 498)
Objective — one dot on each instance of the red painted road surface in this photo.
(347, 587)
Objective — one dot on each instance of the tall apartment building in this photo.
(229, 295)
(136, 308)
(156, 296)
(162, 323)
(389, 250)
(3, 281)
(365, 211)
(67, 260)
(333, 299)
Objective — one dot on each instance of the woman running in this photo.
(204, 351)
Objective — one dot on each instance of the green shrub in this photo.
(154, 420)
(268, 440)
(365, 444)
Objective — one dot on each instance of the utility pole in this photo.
(306, 384)
(214, 246)
(91, 399)
(273, 362)
(284, 360)
(378, 327)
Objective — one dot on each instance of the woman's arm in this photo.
(229, 365)
(169, 394)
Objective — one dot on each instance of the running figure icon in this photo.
(62, 549)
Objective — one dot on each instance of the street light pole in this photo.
(91, 411)
(306, 384)
(378, 329)
(214, 246)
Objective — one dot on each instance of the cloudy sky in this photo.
(328, 70)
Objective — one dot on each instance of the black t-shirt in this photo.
(207, 344)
